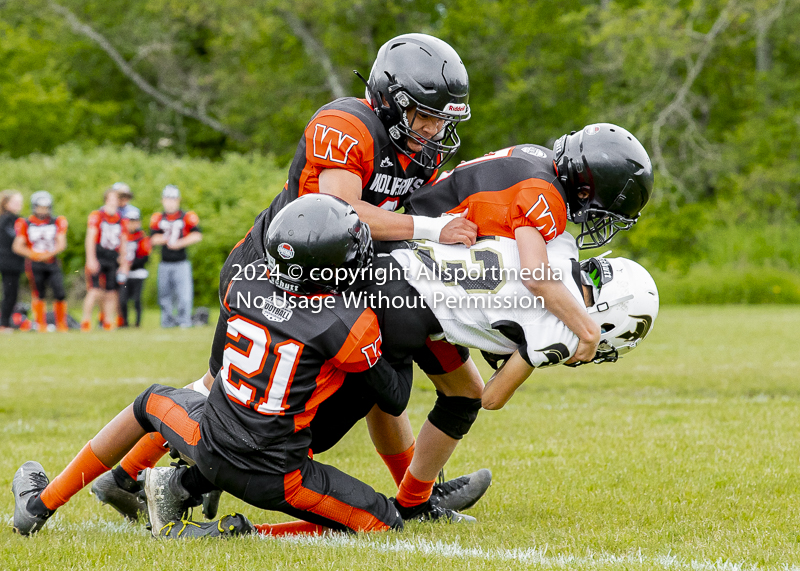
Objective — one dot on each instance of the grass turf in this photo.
(683, 455)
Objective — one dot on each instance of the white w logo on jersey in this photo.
(325, 135)
(544, 221)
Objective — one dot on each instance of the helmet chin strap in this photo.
(606, 305)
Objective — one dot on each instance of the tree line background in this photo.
(213, 96)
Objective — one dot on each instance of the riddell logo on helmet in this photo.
(456, 108)
(592, 130)
(285, 251)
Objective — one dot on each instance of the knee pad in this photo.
(454, 415)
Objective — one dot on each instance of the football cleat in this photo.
(167, 500)
(29, 481)
(211, 504)
(126, 501)
(464, 492)
(227, 526)
(429, 511)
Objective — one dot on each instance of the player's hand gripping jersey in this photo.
(40, 233)
(494, 311)
(500, 192)
(278, 363)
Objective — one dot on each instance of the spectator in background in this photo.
(106, 254)
(125, 197)
(139, 249)
(40, 238)
(174, 230)
(11, 264)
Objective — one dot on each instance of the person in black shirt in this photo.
(11, 264)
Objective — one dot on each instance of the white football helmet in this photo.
(625, 304)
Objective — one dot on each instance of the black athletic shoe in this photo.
(429, 511)
(126, 501)
(29, 481)
(464, 492)
(227, 526)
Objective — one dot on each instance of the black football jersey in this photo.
(346, 134)
(276, 357)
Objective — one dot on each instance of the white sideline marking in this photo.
(533, 556)
(536, 556)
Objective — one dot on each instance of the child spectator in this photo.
(139, 249)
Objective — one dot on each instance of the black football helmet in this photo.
(614, 167)
(421, 74)
(310, 238)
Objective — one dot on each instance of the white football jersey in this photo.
(479, 299)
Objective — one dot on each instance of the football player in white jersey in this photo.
(479, 299)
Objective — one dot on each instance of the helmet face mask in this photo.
(608, 178)
(419, 75)
(625, 304)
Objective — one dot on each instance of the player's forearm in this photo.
(91, 250)
(501, 387)
(384, 225)
(561, 303)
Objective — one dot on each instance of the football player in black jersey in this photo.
(373, 153)
(290, 344)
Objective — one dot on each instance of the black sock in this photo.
(195, 483)
(36, 507)
(124, 481)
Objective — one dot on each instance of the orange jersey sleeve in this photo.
(155, 219)
(338, 140)
(21, 229)
(94, 220)
(61, 225)
(362, 348)
(191, 222)
(539, 205)
(145, 247)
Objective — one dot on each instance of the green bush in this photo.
(227, 195)
(730, 284)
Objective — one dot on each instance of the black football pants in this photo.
(315, 492)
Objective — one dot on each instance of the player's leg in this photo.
(93, 294)
(175, 414)
(120, 487)
(184, 292)
(60, 297)
(110, 297)
(10, 293)
(165, 287)
(316, 493)
(135, 289)
(36, 499)
(38, 281)
(457, 405)
(124, 295)
(393, 439)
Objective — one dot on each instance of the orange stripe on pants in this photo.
(174, 417)
(308, 500)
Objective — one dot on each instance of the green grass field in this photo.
(684, 455)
